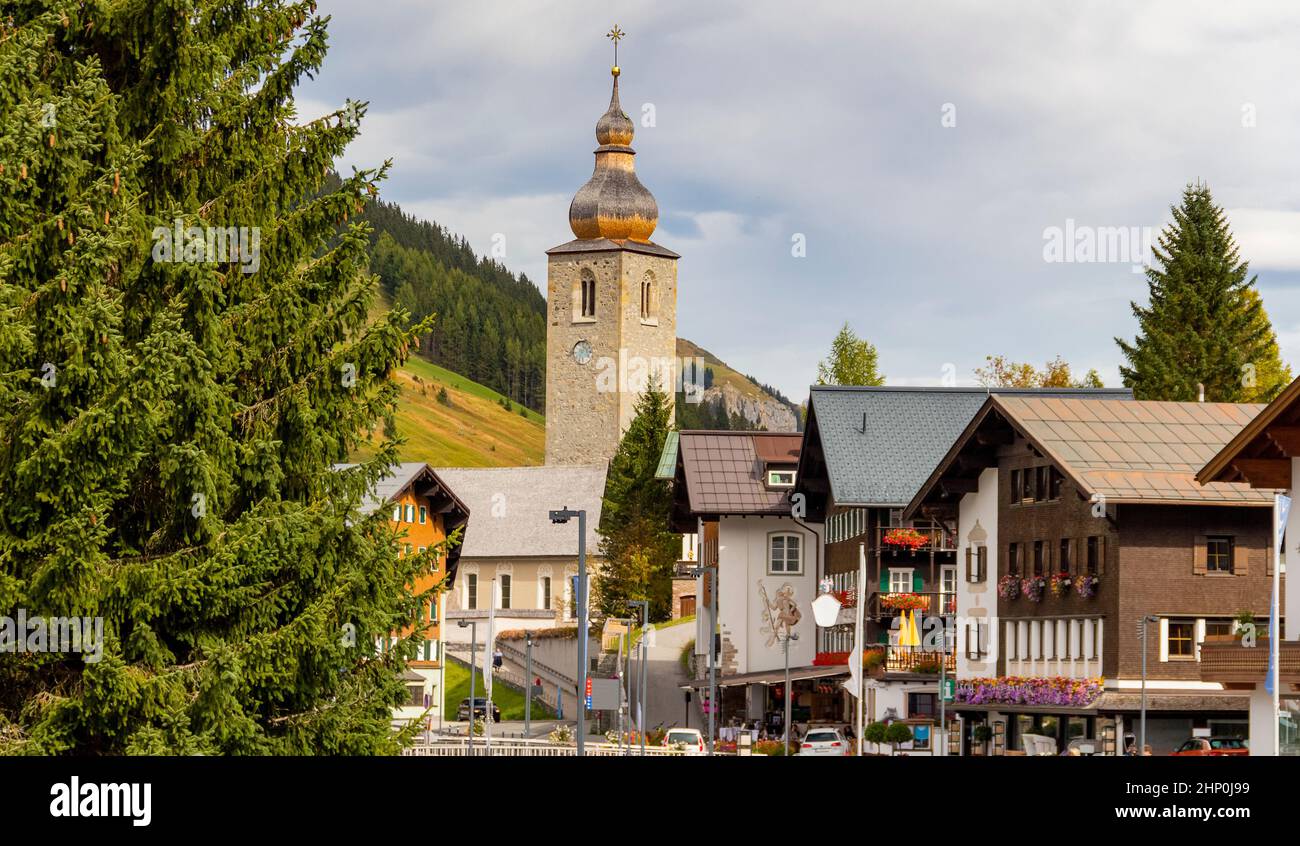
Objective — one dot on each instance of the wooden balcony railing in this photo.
(893, 604)
(914, 659)
(926, 538)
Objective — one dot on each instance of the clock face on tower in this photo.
(582, 352)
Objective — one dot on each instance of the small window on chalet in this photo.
(780, 478)
(1181, 639)
(397, 513)
(783, 554)
(1035, 484)
(424, 514)
(1218, 554)
(1065, 562)
(410, 513)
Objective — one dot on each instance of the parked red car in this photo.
(1213, 747)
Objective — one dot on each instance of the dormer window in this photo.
(780, 478)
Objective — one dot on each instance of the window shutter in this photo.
(1101, 554)
(970, 563)
(982, 557)
(1164, 639)
(1199, 554)
(918, 582)
(1240, 558)
(884, 580)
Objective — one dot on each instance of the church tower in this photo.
(611, 303)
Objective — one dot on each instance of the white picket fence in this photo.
(536, 749)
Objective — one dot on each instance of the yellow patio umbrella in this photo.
(904, 630)
(913, 636)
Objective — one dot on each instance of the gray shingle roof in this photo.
(509, 508)
(389, 486)
(881, 444)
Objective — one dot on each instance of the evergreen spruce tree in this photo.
(640, 550)
(1205, 322)
(170, 414)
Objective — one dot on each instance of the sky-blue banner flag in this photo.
(1282, 507)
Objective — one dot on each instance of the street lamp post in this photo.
(640, 717)
(1142, 724)
(711, 573)
(473, 647)
(786, 643)
(563, 515)
(528, 679)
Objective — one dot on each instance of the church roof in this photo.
(614, 204)
(509, 508)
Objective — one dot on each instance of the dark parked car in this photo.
(480, 710)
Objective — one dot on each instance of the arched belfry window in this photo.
(587, 294)
(647, 296)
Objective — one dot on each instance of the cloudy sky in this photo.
(924, 151)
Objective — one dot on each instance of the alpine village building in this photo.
(1075, 520)
(731, 489)
(424, 513)
(1265, 454)
(865, 452)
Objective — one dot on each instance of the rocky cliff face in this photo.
(763, 411)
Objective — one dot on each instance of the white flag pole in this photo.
(1281, 513)
(489, 652)
(857, 637)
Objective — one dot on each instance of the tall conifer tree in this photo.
(639, 548)
(1204, 322)
(169, 418)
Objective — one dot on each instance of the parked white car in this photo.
(824, 742)
(690, 738)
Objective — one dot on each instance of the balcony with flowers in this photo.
(1018, 690)
(891, 603)
(909, 540)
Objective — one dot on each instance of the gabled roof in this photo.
(879, 444)
(723, 472)
(509, 508)
(1263, 447)
(1127, 451)
(423, 481)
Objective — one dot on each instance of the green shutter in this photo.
(884, 580)
(918, 582)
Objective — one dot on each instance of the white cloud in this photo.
(825, 120)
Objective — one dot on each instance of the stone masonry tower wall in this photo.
(589, 405)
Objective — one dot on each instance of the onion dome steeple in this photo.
(614, 204)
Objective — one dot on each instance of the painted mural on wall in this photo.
(778, 614)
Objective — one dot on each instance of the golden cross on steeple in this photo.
(615, 35)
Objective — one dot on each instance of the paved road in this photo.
(666, 704)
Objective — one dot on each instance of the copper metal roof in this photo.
(1135, 450)
(1258, 439)
(724, 471)
(1129, 451)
